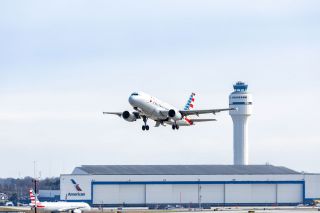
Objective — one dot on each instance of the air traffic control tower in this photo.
(242, 101)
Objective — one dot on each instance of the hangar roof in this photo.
(182, 170)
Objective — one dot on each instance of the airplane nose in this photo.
(132, 99)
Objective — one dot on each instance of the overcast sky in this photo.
(64, 62)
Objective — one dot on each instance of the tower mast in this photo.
(242, 101)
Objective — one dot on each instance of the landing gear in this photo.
(175, 126)
(145, 126)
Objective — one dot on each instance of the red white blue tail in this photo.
(190, 102)
(189, 105)
(33, 199)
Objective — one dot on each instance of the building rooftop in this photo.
(182, 170)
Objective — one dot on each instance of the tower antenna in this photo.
(35, 182)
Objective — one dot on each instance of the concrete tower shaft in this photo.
(240, 140)
(242, 101)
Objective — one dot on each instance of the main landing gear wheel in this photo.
(175, 126)
(145, 126)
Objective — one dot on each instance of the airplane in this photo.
(74, 207)
(148, 107)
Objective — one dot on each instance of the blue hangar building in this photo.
(188, 185)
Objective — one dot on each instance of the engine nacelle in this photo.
(129, 116)
(174, 115)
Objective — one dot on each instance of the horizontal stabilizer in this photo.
(202, 120)
(203, 111)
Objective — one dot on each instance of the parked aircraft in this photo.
(74, 207)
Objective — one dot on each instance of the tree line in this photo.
(17, 189)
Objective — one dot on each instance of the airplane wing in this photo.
(203, 111)
(68, 209)
(120, 114)
(113, 113)
(15, 208)
(201, 120)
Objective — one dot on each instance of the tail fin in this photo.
(33, 198)
(190, 103)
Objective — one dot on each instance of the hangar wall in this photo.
(196, 193)
(312, 186)
(193, 185)
(223, 190)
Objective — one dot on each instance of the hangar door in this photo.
(119, 194)
(251, 193)
(289, 193)
(264, 193)
(172, 193)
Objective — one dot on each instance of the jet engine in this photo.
(129, 116)
(76, 211)
(174, 115)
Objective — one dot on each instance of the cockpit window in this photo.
(134, 93)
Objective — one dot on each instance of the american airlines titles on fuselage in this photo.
(148, 107)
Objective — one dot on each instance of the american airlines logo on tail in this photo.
(77, 187)
(190, 102)
(34, 199)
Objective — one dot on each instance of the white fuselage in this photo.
(60, 206)
(152, 108)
